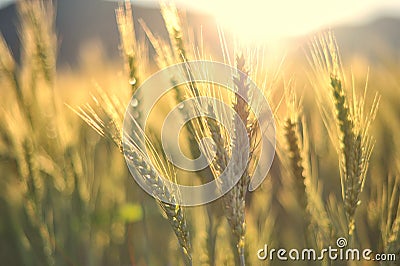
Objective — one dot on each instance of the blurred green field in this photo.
(67, 197)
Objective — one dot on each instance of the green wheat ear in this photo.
(348, 122)
(352, 178)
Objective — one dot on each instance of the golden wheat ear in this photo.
(347, 119)
(130, 50)
(105, 118)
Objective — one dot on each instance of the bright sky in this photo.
(265, 19)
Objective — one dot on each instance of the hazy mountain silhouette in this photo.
(377, 40)
(79, 21)
(8, 27)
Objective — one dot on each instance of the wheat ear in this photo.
(174, 212)
(129, 47)
(234, 200)
(106, 120)
(351, 123)
(296, 160)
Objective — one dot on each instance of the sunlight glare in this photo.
(261, 20)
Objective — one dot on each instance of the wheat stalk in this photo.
(106, 120)
(9, 70)
(296, 160)
(174, 212)
(295, 147)
(39, 38)
(234, 200)
(350, 126)
(389, 206)
(173, 23)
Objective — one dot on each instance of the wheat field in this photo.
(67, 196)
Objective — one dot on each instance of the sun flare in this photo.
(262, 20)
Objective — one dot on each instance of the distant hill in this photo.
(377, 40)
(8, 27)
(79, 21)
